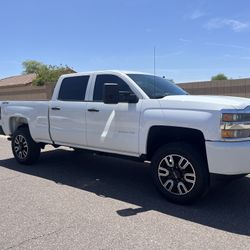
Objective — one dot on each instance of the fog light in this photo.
(228, 133)
(235, 133)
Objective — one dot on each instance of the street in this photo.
(83, 201)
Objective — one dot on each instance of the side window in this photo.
(73, 88)
(102, 79)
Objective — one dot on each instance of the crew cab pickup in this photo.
(140, 116)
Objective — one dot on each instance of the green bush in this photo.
(45, 73)
(219, 77)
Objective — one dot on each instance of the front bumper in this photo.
(228, 158)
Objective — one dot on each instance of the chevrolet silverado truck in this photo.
(140, 116)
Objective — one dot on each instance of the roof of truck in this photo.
(105, 72)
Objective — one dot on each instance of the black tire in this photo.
(24, 148)
(180, 172)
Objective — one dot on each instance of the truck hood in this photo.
(204, 102)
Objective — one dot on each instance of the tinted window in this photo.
(155, 86)
(102, 79)
(73, 88)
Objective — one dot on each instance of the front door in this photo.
(112, 127)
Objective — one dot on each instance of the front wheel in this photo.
(180, 172)
(24, 148)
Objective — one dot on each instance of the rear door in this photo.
(68, 113)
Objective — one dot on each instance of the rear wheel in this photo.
(24, 148)
(180, 172)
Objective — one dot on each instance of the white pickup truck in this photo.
(140, 116)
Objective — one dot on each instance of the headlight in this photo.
(235, 125)
(230, 117)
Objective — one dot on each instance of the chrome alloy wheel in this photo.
(21, 147)
(176, 174)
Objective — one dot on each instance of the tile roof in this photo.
(18, 80)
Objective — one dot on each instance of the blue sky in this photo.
(194, 39)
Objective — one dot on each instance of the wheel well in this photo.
(17, 122)
(161, 135)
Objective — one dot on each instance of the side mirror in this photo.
(111, 93)
(127, 96)
(133, 98)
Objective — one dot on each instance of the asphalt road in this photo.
(72, 201)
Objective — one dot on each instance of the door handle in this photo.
(93, 110)
(55, 108)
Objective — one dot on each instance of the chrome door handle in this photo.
(55, 108)
(93, 110)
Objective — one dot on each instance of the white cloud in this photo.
(235, 46)
(197, 14)
(185, 40)
(237, 57)
(170, 54)
(235, 25)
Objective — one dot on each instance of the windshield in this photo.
(155, 86)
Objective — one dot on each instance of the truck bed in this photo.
(35, 114)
